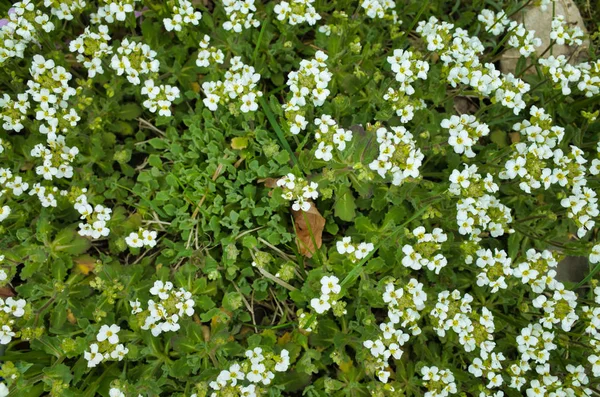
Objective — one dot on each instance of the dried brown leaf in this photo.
(316, 224)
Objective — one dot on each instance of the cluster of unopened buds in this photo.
(354, 251)
(96, 218)
(477, 209)
(160, 97)
(240, 84)
(308, 85)
(141, 238)
(298, 190)
(328, 135)
(249, 377)
(465, 131)
(330, 291)
(425, 252)
(183, 14)
(134, 59)
(24, 21)
(438, 382)
(107, 348)
(91, 47)
(164, 315)
(404, 305)
(9, 308)
(240, 14)
(207, 53)
(398, 155)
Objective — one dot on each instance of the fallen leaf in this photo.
(6, 292)
(316, 224)
(515, 137)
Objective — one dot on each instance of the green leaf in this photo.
(345, 207)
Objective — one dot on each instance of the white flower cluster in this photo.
(560, 308)
(159, 97)
(438, 382)
(460, 52)
(488, 366)
(453, 312)
(533, 162)
(256, 369)
(592, 317)
(13, 113)
(113, 10)
(550, 385)
(477, 209)
(207, 53)
(183, 14)
(10, 307)
(96, 218)
(297, 12)
(91, 47)
(65, 9)
(240, 14)
(495, 268)
(425, 252)
(329, 134)
(398, 155)
(164, 315)
(534, 343)
(134, 59)
(378, 8)
(563, 34)
(51, 91)
(240, 83)
(141, 238)
(538, 270)
(404, 305)
(21, 29)
(354, 251)
(330, 291)
(562, 73)
(298, 190)
(582, 207)
(108, 346)
(519, 36)
(408, 68)
(308, 83)
(12, 183)
(57, 158)
(465, 131)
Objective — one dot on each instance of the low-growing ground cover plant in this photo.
(296, 198)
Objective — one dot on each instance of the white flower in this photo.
(321, 305)
(93, 357)
(345, 246)
(330, 285)
(110, 333)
